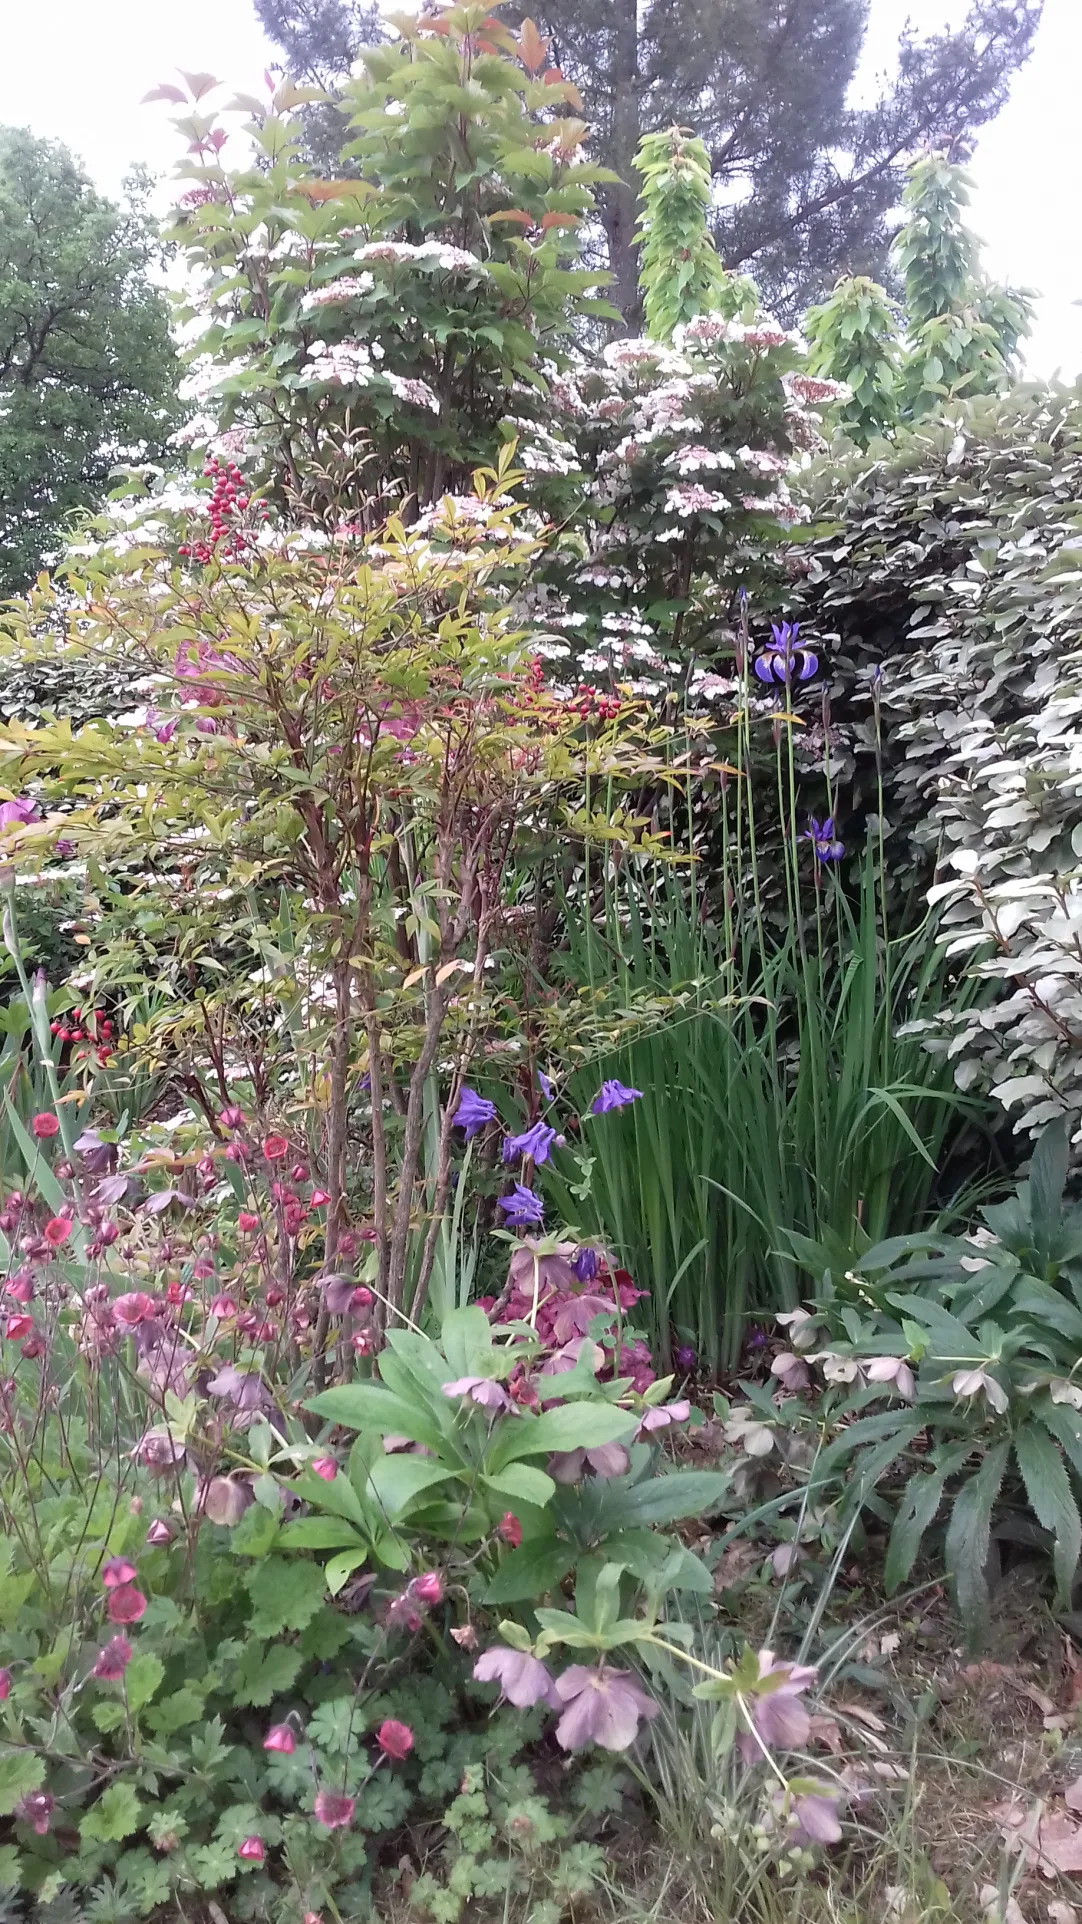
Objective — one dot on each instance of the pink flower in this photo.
(427, 1588)
(791, 1370)
(246, 1222)
(134, 1308)
(403, 1614)
(523, 1679)
(275, 1147)
(892, 1369)
(224, 1500)
(326, 1467)
(603, 1707)
(45, 1125)
(16, 1327)
(232, 1117)
(252, 1850)
(5, 1685)
(280, 1737)
(395, 1739)
(116, 1571)
(816, 1816)
(126, 1604)
(661, 1417)
(36, 1810)
(605, 1460)
(57, 1230)
(224, 1308)
(334, 1809)
(112, 1660)
(510, 1529)
(319, 1198)
(778, 1721)
(480, 1390)
(159, 1533)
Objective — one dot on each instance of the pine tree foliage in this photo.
(805, 186)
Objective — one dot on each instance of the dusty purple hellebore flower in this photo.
(521, 1209)
(534, 1142)
(243, 1388)
(585, 1265)
(782, 660)
(613, 1095)
(523, 1679)
(780, 1721)
(816, 1815)
(473, 1111)
(338, 1292)
(480, 1390)
(603, 1707)
(823, 840)
(605, 1460)
(663, 1414)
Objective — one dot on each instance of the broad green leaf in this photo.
(466, 1340)
(264, 1674)
(396, 1481)
(968, 1537)
(530, 1571)
(117, 1813)
(572, 1426)
(142, 1678)
(285, 1595)
(682, 1493)
(522, 1483)
(319, 1533)
(371, 1406)
(339, 1569)
(10, 1868)
(1049, 1491)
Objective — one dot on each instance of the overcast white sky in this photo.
(77, 69)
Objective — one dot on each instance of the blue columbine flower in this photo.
(585, 1265)
(782, 660)
(521, 1209)
(544, 1085)
(613, 1095)
(473, 1112)
(534, 1142)
(823, 840)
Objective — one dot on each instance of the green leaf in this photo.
(117, 1813)
(320, 1533)
(523, 1484)
(396, 1481)
(923, 1495)
(142, 1678)
(968, 1537)
(1048, 1179)
(20, 1773)
(466, 1341)
(264, 1674)
(370, 1406)
(1052, 1500)
(285, 1596)
(530, 1571)
(10, 1868)
(683, 1493)
(572, 1426)
(340, 1568)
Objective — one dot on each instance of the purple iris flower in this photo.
(585, 1265)
(473, 1111)
(782, 660)
(534, 1142)
(521, 1209)
(823, 840)
(613, 1095)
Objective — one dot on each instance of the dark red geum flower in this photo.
(112, 1660)
(117, 1570)
(126, 1604)
(45, 1125)
(395, 1739)
(510, 1529)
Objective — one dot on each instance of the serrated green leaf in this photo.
(264, 1674)
(285, 1595)
(530, 1571)
(20, 1773)
(1052, 1500)
(117, 1813)
(968, 1538)
(142, 1678)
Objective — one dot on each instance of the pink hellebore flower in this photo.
(791, 1370)
(816, 1815)
(395, 1739)
(605, 1460)
(112, 1660)
(970, 1382)
(334, 1809)
(224, 1500)
(523, 1679)
(116, 1571)
(801, 1324)
(779, 1721)
(480, 1390)
(603, 1707)
(663, 1415)
(325, 1467)
(126, 1604)
(280, 1737)
(252, 1850)
(892, 1369)
(159, 1533)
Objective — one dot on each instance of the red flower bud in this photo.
(45, 1125)
(395, 1739)
(510, 1529)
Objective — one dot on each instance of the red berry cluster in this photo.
(229, 500)
(87, 1025)
(591, 705)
